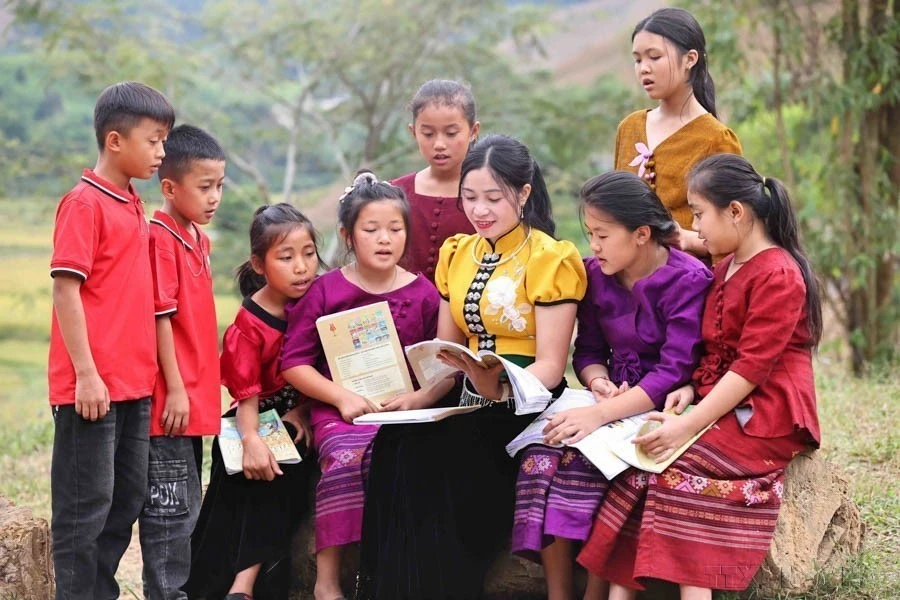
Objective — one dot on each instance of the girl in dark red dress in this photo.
(444, 125)
(241, 545)
(707, 521)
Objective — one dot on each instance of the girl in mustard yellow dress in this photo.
(662, 144)
(440, 496)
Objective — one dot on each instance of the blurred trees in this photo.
(814, 91)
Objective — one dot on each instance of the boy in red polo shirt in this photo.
(102, 364)
(186, 401)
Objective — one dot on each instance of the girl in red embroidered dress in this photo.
(718, 503)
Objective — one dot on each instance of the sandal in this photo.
(238, 596)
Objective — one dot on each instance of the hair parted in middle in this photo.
(511, 165)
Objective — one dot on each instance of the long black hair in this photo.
(630, 202)
(511, 164)
(682, 29)
(725, 178)
(271, 223)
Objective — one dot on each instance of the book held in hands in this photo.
(364, 353)
(272, 432)
(609, 447)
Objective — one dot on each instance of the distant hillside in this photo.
(592, 38)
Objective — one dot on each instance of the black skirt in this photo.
(439, 506)
(243, 523)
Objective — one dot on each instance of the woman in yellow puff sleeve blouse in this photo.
(439, 499)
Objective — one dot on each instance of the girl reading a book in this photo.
(444, 124)
(241, 545)
(638, 339)
(707, 521)
(440, 495)
(374, 220)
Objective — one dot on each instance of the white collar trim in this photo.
(173, 232)
(104, 189)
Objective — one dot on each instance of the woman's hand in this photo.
(673, 432)
(258, 463)
(572, 425)
(679, 399)
(407, 401)
(353, 405)
(485, 379)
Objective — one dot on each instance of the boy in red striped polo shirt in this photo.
(102, 363)
(186, 401)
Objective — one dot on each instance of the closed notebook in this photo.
(363, 352)
(272, 432)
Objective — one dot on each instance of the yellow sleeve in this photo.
(445, 256)
(555, 274)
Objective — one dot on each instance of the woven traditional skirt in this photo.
(344, 452)
(558, 492)
(706, 521)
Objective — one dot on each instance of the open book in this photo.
(272, 432)
(609, 448)
(418, 415)
(363, 352)
(530, 394)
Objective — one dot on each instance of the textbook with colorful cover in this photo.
(609, 448)
(271, 431)
(530, 394)
(364, 353)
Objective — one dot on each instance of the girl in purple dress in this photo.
(638, 339)
(374, 218)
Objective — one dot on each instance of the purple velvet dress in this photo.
(648, 336)
(343, 448)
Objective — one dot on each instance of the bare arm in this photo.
(91, 394)
(554, 326)
(258, 461)
(176, 412)
(315, 385)
(446, 328)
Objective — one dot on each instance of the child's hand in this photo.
(353, 405)
(407, 401)
(680, 399)
(486, 380)
(602, 388)
(296, 418)
(259, 463)
(91, 397)
(176, 412)
(660, 443)
(572, 425)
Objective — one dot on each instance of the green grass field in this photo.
(860, 419)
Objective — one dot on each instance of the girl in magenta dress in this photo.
(444, 125)
(236, 550)
(707, 521)
(374, 218)
(638, 339)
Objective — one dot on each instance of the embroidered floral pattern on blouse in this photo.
(501, 296)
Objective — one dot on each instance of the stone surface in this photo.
(26, 568)
(819, 528)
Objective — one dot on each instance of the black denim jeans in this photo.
(169, 515)
(98, 482)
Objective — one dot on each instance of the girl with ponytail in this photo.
(718, 502)
(241, 546)
(661, 145)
